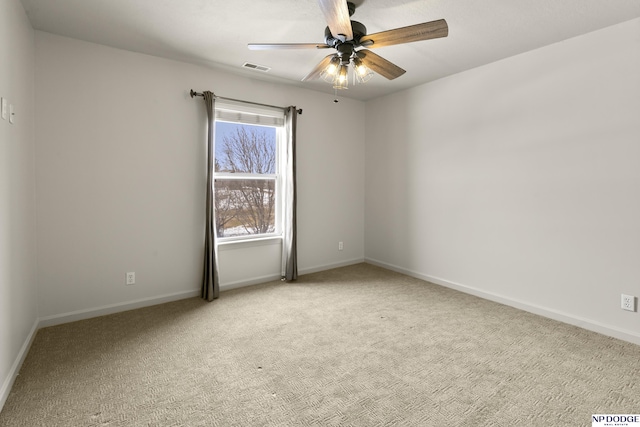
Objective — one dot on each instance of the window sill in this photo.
(226, 245)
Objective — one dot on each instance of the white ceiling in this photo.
(215, 32)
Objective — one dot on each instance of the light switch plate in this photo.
(4, 108)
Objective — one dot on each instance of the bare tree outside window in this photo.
(245, 204)
(224, 206)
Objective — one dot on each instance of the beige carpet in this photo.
(355, 346)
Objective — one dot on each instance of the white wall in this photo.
(120, 172)
(18, 296)
(518, 181)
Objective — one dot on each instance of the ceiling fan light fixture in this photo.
(331, 71)
(342, 78)
(362, 73)
(337, 72)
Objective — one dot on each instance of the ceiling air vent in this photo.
(256, 67)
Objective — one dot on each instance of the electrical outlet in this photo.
(340, 246)
(628, 302)
(131, 278)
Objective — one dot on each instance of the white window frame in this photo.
(231, 112)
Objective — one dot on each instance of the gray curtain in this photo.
(210, 282)
(289, 245)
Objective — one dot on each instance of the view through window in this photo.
(247, 179)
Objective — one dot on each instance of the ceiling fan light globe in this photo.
(330, 72)
(329, 78)
(342, 78)
(342, 75)
(363, 76)
(361, 73)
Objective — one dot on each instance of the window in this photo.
(247, 172)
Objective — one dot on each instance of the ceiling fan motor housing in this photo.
(358, 28)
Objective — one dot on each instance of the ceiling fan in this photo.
(352, 43)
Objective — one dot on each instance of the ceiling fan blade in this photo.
(380, 65)
(274, 46)
(412, 33)
(315, 73)
(336, 13)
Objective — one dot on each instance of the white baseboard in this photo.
(324, 267)
(301, 272)
(17, 364)
(243, 283)
(570, 319)
(88, 313)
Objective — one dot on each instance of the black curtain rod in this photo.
(194, 93)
